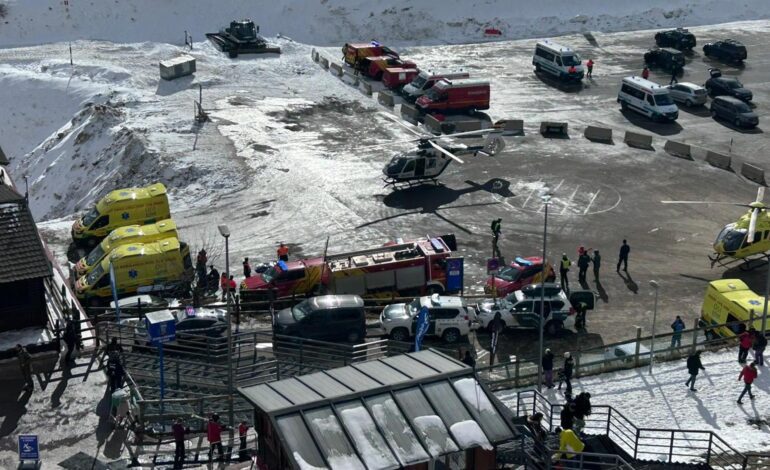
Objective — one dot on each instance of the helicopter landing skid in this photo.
(746, 264)
(408, 184)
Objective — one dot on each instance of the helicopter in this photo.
(746, 239)
(434, 154)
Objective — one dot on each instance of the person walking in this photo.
(566, 374)
(468, 360)
(548, 368)
(694, 366)
(224, 284)
(283, 252)
(597, 261)
(674, 72)
(677, 326)
(760, 343)
(567, 415)
(580, 317)
(243, 430)
(563, 270)
(625, 249)
(178, 430)
(539, 434)
(569, 444)
(745, 341)
(115, 373)
(584, 261)
(582, 410)
(748, 374)
(496, 231)
(200, 266)
(25, 364)
(590, 68)
(213, 278)
(495, 327)
(645, 73)
(246, 268)
(70, 338)
(214, 435)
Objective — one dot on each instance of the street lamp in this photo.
(545, 196)
(225, 232)
(654, 285)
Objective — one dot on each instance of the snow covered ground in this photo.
(661, 400)
(329, 22)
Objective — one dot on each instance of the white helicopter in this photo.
(434, 154)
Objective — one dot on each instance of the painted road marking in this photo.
(591, 202)
(571, 198)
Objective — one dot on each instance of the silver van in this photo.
(425, 80)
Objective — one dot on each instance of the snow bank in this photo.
(469, 434)
(369, 442)
(336, 21)
(434, 432)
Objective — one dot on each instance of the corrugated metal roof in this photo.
(20, 247)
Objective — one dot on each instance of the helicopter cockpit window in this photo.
(733, 239)
(409, 166)
(431, 163)
(396, 165)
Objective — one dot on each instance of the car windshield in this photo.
(419, 81)
(509, 274)
(569, 60)
(95, 255)
(742, 107)
(700, 92)
(95, 275)
(270, 274)
(301, 310)
(89, 218)
(663, 100)
(434, 94)
(733, 84)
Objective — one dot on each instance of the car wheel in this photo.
(737, 122)
(400, 334)
(452, 335)
(688, 103)
(537, 68)
(354, 336)
(713, 113)
(623, 105)
(553, 328)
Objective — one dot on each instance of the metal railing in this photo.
(756, 461)
(666, 445)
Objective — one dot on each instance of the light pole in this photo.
(655, 286)
(546, 198)
(225, 232)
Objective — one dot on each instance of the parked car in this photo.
(734, 111)
(450, 318)
(194, 328)
(144, 303)
(648, 99)
(678, 38)
(688, 93)
(521, 309)
(521, 272)
(667, 59)
(719, 85)
(325, 318)
(727, 50)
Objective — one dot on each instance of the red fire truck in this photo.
(396, 77)
(401, 268)
(455, 96)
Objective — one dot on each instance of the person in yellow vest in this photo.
(563, 270)
(569, 443)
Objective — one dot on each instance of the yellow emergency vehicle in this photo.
(123, 236)
(119, 208)
(155, 266)
(730, 300)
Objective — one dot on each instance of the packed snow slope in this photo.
(327, 22)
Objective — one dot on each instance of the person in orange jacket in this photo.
(283, 252)
(748, 374)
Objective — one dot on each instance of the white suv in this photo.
(520, 309)
(450, 319)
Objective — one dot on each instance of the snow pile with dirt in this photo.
(662, 400)
(330, 22)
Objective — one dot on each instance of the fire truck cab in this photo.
(455, 96)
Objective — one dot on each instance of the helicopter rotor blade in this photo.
(472, 133)
(445, 151)
(418, 133)
(707, 202)
(760, 193)
(752, 226)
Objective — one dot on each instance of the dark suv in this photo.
(325, 318)
(718, 85)
(679, 38)
(664, 58)
(735, 111)
(728, 50)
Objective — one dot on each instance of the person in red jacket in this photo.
(645, 73)
(243, 431)
(590, 68)
(748, 374)
(745, 341)
(214, 435)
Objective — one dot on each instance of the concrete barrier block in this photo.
(366, 87)
(552, 128)
(510, 126)
(314, 55)
(324, 62)
(598, 134)
(463, 126)
(351, 76)
(678, 149)
(410, 113)
(718, 160)
(432, 124)
(754, 173)
(386, 98)
(640, 141)
(336, 69)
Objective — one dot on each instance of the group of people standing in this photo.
(214, 429)
(570, 430)
(585, 260)
(565, 374)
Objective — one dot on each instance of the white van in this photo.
(647, 98)
(557, 60)
(425, 80)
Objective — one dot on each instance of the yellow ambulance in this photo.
(123, 236)
(155, 266)
(730, 300)
(119, 208)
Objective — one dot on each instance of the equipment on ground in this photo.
(746, 239)
(241, 38)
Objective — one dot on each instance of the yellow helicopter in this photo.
(746, 239)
